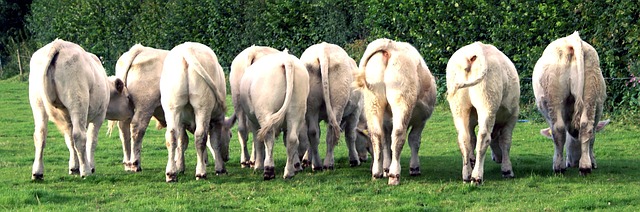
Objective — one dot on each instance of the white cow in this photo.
(193, 90)
(399, 93)
(570, 92)
(483, 90)
(140, 69)
(330, 99)
(273, 96)
(69, 86)
(238, 66)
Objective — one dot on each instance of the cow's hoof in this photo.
(476, 181)
(221, 172)
(245, 164)
(252, 164)
(414, 171)
(378, 176)
(330, 167)
(269, 173)
(466, 179)
(394, 179)
(507, 174)
(317, 169)
(201, 176)
(559, 171)
(363, 160)
(585, 171)
(306, 163)
(594, 165)
(354, 163)
(37, 177)
(287, 177)
(74, 171)
(171, 177)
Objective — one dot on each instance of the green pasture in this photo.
(615, 185)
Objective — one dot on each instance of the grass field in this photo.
(615, 185)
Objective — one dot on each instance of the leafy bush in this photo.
(521, 29)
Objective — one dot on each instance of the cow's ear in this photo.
(119, 85)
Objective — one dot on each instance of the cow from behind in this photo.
(399, 93)
(331, 99)
(193, 95)
(140, 68)
(69, 86)
(570, 92)
(273, 96)
(238, 66)
(483, 89)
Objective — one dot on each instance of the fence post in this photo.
(19, 63)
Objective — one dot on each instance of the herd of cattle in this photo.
(388, 97)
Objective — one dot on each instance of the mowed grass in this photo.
(615, 185)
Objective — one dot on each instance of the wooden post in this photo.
(19, 63)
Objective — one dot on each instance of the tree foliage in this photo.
(521, 29)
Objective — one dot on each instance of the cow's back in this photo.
(72, 78)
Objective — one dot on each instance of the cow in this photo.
(573, 147)
(570, 92)
(273, 96)
(483, 89)
(399, 93)
(238, 66)
(330, 99)
(193, 91)
(69, 86)
(140, 69)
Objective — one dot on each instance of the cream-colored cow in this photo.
(331, 73)
(193, 90)
(570, 91)
(273, 96)
(69, 86)
(399, 93)
(483, 90)
(140, 69)
(238, 67)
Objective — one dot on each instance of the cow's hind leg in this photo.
(201, 137)
(504, 139)
(92, 142)
(485, 127)
(139, 124)
(351, 123)
(587, 134)
(464, 128)
(174, 132)
(243, 137)
(124, 128)
(74, 167)
(313, 135)
(414, 142)
(269, 166)
(292, 148)
(79, 136)
(39, 140)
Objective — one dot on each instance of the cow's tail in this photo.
(125, 62)
(477, 61)
(324, 75)
(50, 92)
(195, 65)
(277, 118)
(577, 84)
(380, 45)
